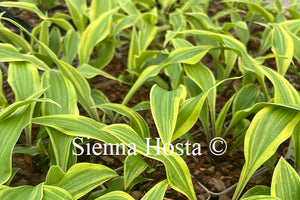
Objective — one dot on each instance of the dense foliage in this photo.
(50, 66)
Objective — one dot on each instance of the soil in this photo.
(214, 173)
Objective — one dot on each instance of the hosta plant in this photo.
(167, 43)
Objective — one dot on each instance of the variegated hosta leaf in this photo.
(187, 55)
(9, 53)
(76, 125)
(13, 125)
(165, 108)
(83, 177)
(284, 93)
(134, 165)
(83, 90)
(116, 195)
(54, 175)
(59, 87)
(9, 37)
(99, 7)
(3, 101)
(22, 192)
(24, 5)
(205, 79)
(176, 169)
(70, 46)
(285, 181)
(296, 145)
(257, 190)
(190, 110)
(24, 79)
(257, 9)
(136, 121)
(95, 33)
(222, 116)
(261, 197)
(44, 36)
(245, 97)
(55, 193)
(77, 9)
(134, 49)
(282, 45)
(157, 192)
(269, 128)
(89, 71)
(125, 22)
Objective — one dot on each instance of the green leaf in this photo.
(258, 9)
(100, 99)
(230, 60)
(75, 125)
(97, 31)
(60, 87)
(136, 121)
(296, 144)
(82, 88)
(175, 74)
(12, 125)
(13, 173)
(240, 27)
(176, 169)
(55, 40)
(9, 53)
(55, 193)
(105, 53)
(285, 181)
(83, 177)
(157, 192)
(116, 195)
(89, 71)
(245, 97)
(24, 79)
(282, 44)
(148, 30)
(270, 127)
(22, 192)
(99, 7)
(44, 35)
(257, 190)
(205, 79)
(125, 22)
(77, 9)
(134, 49)
(13, 107)
(261, 197)
(23, 5)
(165, 108)
(134, 165)
(188, 55)
(222, 116)
(9, 37)
(32, 151)
(3, 101)
(70, 46)
(54, 175)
